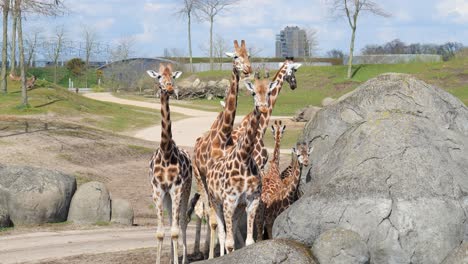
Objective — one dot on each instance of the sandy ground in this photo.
(47, 247)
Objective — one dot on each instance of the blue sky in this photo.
(153, 26)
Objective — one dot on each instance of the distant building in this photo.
(292, 42)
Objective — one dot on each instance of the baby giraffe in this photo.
(279, 193)
(235, 179)
(170, 171)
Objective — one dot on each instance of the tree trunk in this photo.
(24, 92)
(190, 41)
(211, 43)
(351, 49)
(6, 7)
(13, 41)
(55, 72)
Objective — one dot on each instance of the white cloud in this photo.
(456, 10)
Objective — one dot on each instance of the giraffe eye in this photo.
(253, 93)
(269, 93)
(236, 57)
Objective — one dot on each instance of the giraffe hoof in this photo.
(249, 242)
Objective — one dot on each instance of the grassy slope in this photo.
(316, 83)
(55, 100)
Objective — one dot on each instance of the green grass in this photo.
(102, 223)
(52, 99)
(288, 140)
(47, 73)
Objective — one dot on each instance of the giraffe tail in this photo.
(192, 204)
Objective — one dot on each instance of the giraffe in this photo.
(286, 73)
(235, 179)
(212, 144)
(170, 171)
(279, 192)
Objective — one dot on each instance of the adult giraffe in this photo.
(170, 171)
(211, 145)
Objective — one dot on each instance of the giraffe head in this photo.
(278, 130)
(261, 91)
(290, 75)
(302, 151)
(165, 77)
(241, 58)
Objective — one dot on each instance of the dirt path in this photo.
(185, 131)
(39, 246)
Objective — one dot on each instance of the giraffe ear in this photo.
(153, 74)
(296, 66)
(230, 54)
(273, 85)
(176, 74)
(250, 86)
(293, 150)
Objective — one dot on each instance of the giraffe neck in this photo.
(226, 122)
(166, 126)
(265, 119)
(248, 140)
(295, 176)
(276, 151)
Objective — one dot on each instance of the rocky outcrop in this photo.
(306, 114)
(458, 255)
(4, 215)
(340, 246)
(90, 204)
(193, 89)
(35, 195)
(390, 162)
(122, 212)
(267, 252)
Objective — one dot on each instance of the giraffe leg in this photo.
(175, 197)
(196, 247)
(183, 216)
(260, 220)
(158, 198)
(213, 225)
(269, 228)
(207, 237)
(221, 232)
(229, 207)
(251, 211)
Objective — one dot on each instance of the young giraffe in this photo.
(281, 192)
(213, 143)
(285, 73)
(170, 171)
(235, 179)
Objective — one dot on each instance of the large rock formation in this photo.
(458, 255)
(35, 195)
(122, 212)
(390, 162)
(90, 204)
(340, 246)
(267, 252)
(4, 215)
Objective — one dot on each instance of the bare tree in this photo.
(5, 10)
(31, 43)
(187, 11)
(14, 18)
(24, 92)
(55, 48)
(123, 50)
(311, 43)
(208, 10)
(220, 47)
(89, 36)
(351, 9)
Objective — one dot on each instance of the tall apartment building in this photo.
(292, 42)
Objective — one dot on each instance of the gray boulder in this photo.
(35, 195)
(327, 101)
(267, 252)
(90, 204)
(458, 255)
(305, 114)
(223, 84)
(340, 246)
(122, 212)
(390, 162)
